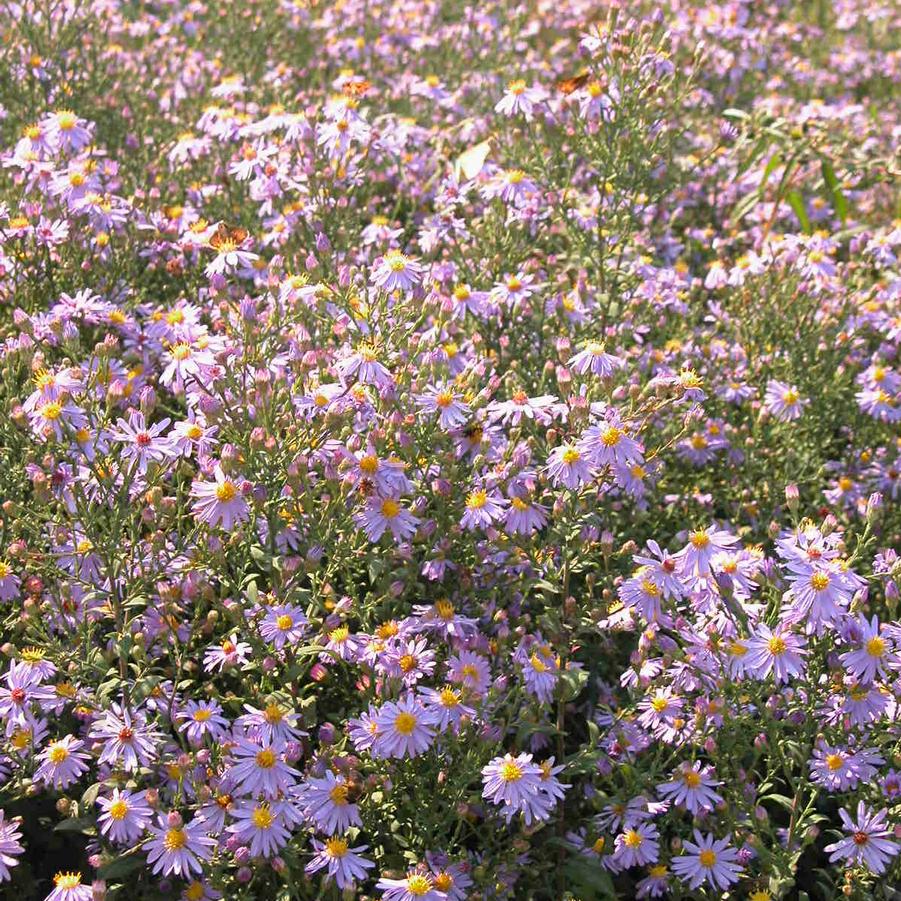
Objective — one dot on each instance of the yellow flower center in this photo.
(477, 500)
(336, 847)
(265, 759)
(633, 838)
(202, 715)
(819, 581)
(418, 884)
(175, 840)
(707, 858)
(390, 508)
(511, 771)
(691, 778)
(571, 455)
(67, 880)
(835, 762)
(284, 622)
(405, 723)
(58, 754)
(611, 436)
(118, 809)
(338, 795)
(369, 464)
(262, 818)
(700, 539)
(449, 698)
(226, 491)
(875, 647)
(776, 645)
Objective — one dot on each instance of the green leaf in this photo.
(84, 825)
(834, 187)
(796, 202)
(121, 867)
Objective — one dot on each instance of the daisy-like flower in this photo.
(230, 256)
(840, 769)
(417, 885)
(452, 412)
(519, 98)
(141, 443)
(513, 783)
(446, 707)
(636, 847)
(568, 466)
(483, 507)
(10, 845)
(260, 769)
(396, 272)
(125, 815)
(283, 625)
(709, 860)
(524, 516)
(869, 842)
(199, 719)
(128, 742)
(692, 787)
(326, 804)
(594, 358)
(405, 729)
(874, 655)
(341, 862)
(260, 825)
(780, 653)
(69, 887)
(231, 652)
(62, 762)
(703, 545)
(384, 514)
(179, 848)
(220, 502)
(784, 401)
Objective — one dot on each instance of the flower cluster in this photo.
(449, 451)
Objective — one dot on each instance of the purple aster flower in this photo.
(709, 860)
(386, 514)
(869, 842)
(452, 412)
(513, 783)
(128, 741)
(595, 359)
(69, 887)
(783, 401)
(703, 545)
(447, 707)
(220, 502)
(143, 444)
(260, 825)
(200, 719)
(10, 845)
(780, 653)
(417, 885)
(341, 862)
(524, 516)
(396, 272)
(568, 466)
(125, 815)
(482, 509)
(284, 624)
(405, 729)
(230, 652)
(326, 804)
(874, 655)
(691, 787)
(840, 769)
(260, 769)
(179, 848)
(636, 847)
(62, 762)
